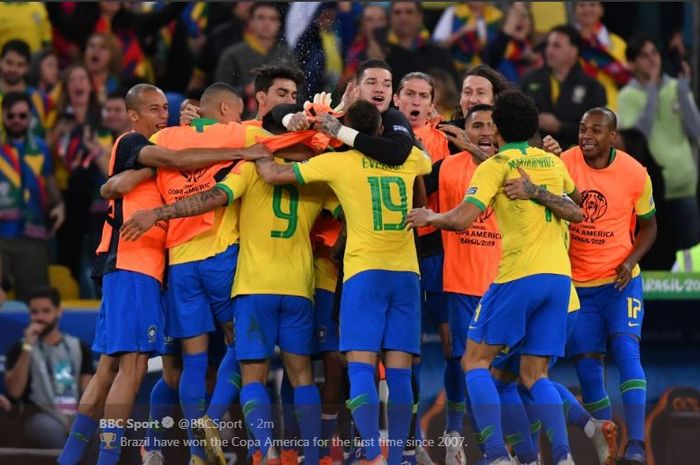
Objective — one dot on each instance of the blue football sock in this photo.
(79, 437)
(400, 408)
(575, 413)
(595, 398)
(470, 416)
(549, 405)
(516, 425)
(228, 385)
(193, 392)
(110, 445)
(257, 411)
(364, 405)
(289, 418)
(486, 409)
(455, 392)
(163, 401)
(532, 416)
(633, 384)
(328, 424)
(307, 403)
(415, 385)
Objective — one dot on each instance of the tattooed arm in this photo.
(143, 220)
(275, 173)
(562, 207)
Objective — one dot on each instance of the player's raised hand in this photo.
(551, 145)
(256, 151)
(458, 137)
(298, 122)
(327, 124)
(419, 217)
(138, 224)
(351, 94)
(188, 113)
(520, 188)
(624, 274)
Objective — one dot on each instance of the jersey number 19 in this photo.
(380, 189)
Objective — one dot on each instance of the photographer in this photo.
(47, 371)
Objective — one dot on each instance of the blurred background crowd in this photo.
(65, 68)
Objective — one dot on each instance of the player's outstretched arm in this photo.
(143, 220)
(275, 173)
(188, 159)
(121, 184)
(457, 219)
(523, 188)
(642, 243)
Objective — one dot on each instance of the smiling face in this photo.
(480, 131)
(588, 14)
(415, 101)
(595, 136)
(375, 87)
(475, 90)
(151, 114)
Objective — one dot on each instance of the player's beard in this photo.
(48, 328)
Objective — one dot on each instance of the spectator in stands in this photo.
(407, 47)
(218, 40)
(602, 52)
(510, 52)
(82, 151)
(561, 90)
(446, 94)
(103, 60)
(364, 46)
(31, 207)
(318, 52)
(27, 21)
(664, 109)
(14, 66)
(44, 77)
(132, 29)
(47, 372)
(114, 114)
(261, 45)
(466, 29)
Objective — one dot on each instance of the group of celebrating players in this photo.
(524, 255)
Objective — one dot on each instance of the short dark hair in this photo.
(120, 93)
(371, 63)
(418, 5)
(195, 93)
(257, 5)
(515, 115)
(363, 117)
(571, 32)
(499, 83)
(133, 96)
(12, 98)
(265, 76)
(605, 111)
(220, 88)
(477, 108)
(18, 46)
(418, 75)
(45, 292)
(636, 43)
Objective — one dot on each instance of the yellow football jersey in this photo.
(533, 242)
(275, 254)
(375, 200)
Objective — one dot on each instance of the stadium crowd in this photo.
(136, 136)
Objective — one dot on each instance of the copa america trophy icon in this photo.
(107, 439)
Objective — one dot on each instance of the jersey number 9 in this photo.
(288, 214)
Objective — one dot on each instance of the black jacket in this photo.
(577, 94)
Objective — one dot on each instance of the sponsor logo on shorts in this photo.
(151, 332)
(632, 325)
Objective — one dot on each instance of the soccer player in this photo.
(529, 298)
(381, 277)
(415, 99)
(470, 266)
(273, 289)
(605, 252)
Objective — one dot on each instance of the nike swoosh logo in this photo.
(472, 327)
(632, 325)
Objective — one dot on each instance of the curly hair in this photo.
(515, 115)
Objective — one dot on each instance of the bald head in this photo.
(605, 112)
(221, 102)
(133, 97)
